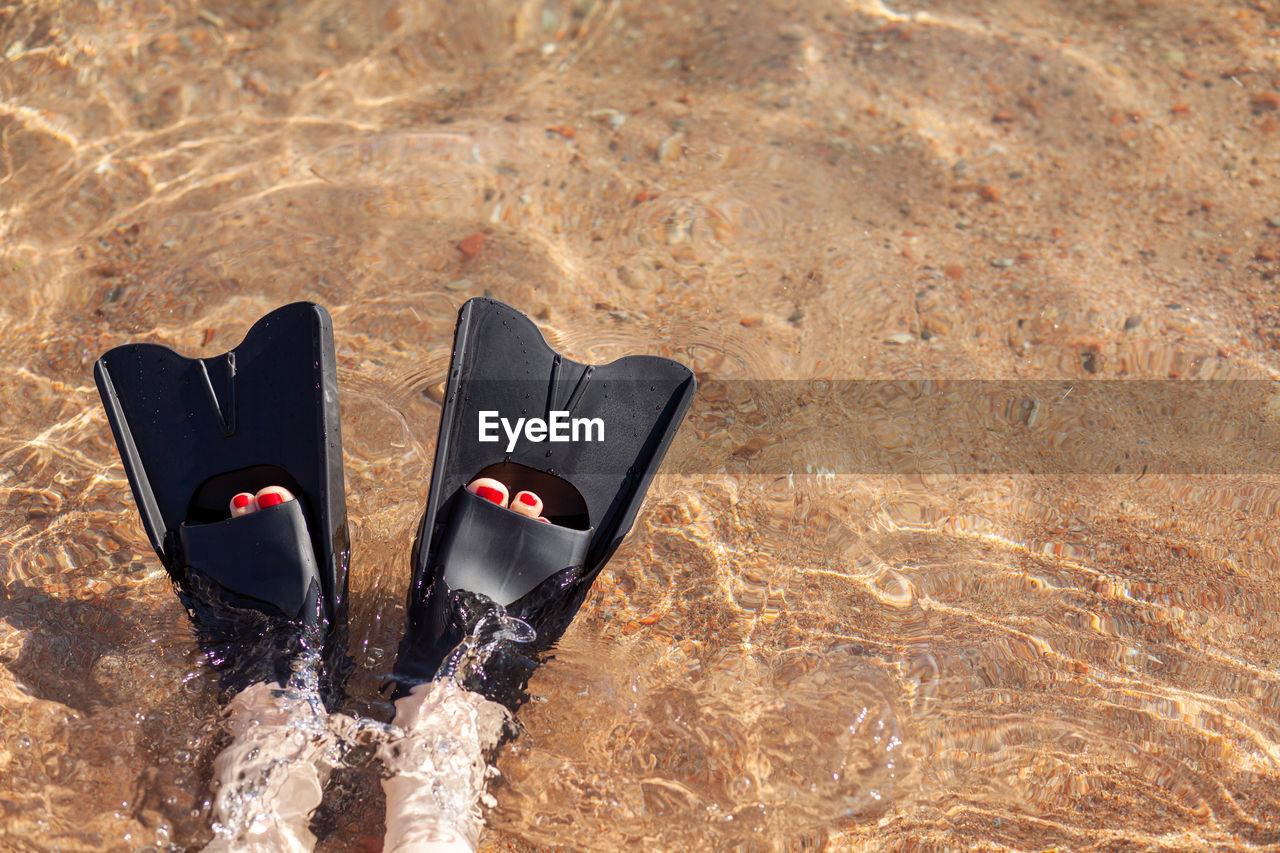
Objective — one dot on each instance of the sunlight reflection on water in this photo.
(791, 650)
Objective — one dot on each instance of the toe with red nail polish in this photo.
(527, 503)
(245, 503)
(242, 504)
(489, 489)
(270, 496)
(490, 494)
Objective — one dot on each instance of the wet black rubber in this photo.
(468, 550)
(193, 432)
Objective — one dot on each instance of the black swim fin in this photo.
(602, 432)
(194, 432)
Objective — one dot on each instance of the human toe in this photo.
(269, 496)
(242, 504)
(527, 503)
(489, 489)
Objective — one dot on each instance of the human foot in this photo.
(525, 503)
(485, 621)
(254, 596)
(268, 496)
(192, 432)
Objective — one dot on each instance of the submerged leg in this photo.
(438, 768)
(271, 777)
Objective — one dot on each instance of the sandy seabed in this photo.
(793, 651)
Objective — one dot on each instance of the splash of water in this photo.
(437, 758)
(272, 775)
(435, 753)
(491, 631)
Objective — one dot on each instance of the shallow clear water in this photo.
(790, 651)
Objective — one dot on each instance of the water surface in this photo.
(788, 653)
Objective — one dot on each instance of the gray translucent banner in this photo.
(980, 427)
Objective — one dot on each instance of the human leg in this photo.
(437, 766)
(270, 778)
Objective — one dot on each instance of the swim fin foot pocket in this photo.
(587, 439)
(266, 591)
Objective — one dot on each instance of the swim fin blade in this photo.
(587, 439)
(193, 432)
